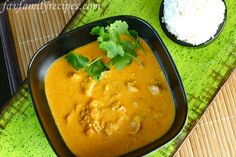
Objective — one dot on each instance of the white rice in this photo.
(193, 21)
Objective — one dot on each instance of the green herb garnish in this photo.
(120, 52)
(96, 69)
(76, 60)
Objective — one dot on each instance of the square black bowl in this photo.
(46, 55)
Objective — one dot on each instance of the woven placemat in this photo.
(213, 136)
(215, 133)
(32, 28)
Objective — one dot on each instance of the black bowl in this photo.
(173, 37)
(46, 55)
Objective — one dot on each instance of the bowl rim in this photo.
(183, 43)
(123, 17)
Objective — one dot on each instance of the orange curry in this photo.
(121, 112)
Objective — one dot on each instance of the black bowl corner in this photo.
(56, 48)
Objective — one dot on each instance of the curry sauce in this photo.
(121, 112)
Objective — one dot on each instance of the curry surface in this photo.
(123, 111)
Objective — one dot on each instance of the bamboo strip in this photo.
(59, 21)
(219, 110)
(210, 132)
(52, 31)
(185, 151)
(201, 141)
(28, 35)
(219, 128)
(37, 23)
(46, 26)
(31, 44)
(15, 38)
(189, 147)
(66, 14)
(62, 15)
(205, 140)
(20, 37)
(231, 92)
(70, 12)
(227, 126)
(198, 146)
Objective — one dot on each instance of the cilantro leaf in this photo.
(76, 60)
(96, 30)
(132, 53)
(112, 49)
(128, 45)
(133, 33)
(101, 32)
(104, 36)
(129, 48)
(96, 69)
(121, 27)
(114, 36)
(120, 62)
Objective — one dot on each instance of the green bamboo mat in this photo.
(202, 69)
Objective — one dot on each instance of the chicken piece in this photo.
(68, 118)
(95, 114)
(97, 126)
(75, 77)
(154, 89)
(111, 128)
(77, 107)
(95, 104)
(122, 109)
(89, 132)
(115, 106)
(131, 87)
(135, 124)
(90, 87)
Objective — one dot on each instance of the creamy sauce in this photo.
(123, 111)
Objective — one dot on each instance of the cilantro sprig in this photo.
(120, 52)
(94, 68)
